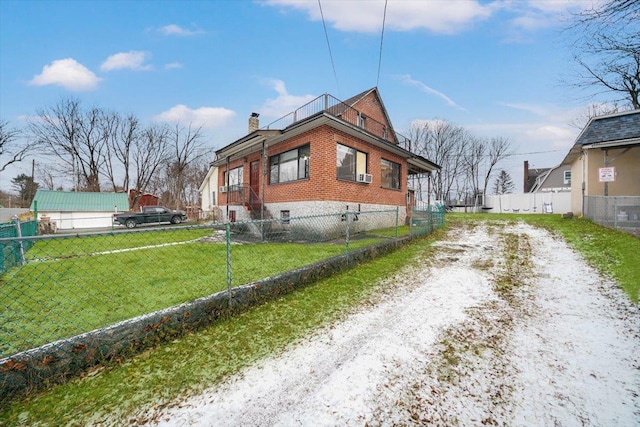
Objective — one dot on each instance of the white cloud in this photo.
(176, 30)
(438, 16)
(284, 103)
(207, 117)
(173, 65)
(133, 60)
(423, 87)
(67, 73)
(538, 110)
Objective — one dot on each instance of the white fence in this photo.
(528, 203)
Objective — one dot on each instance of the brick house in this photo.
(328, 156)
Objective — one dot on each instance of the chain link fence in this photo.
(66, 285)
(13, 254)
(619, 212)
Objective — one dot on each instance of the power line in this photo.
(384, 18)
(329, 46)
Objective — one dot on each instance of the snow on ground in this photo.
(444, 346)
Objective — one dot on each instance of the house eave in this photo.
(417, 164)
(614, 144)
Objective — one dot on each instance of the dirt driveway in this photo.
(507, 326)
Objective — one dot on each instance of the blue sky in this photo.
(494, 67)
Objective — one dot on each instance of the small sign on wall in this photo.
(607, 174)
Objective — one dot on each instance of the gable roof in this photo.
(77, 201)
(611, 130)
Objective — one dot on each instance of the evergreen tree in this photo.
(503, 183)
(26, 188)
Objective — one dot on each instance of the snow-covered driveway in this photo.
(506, 326)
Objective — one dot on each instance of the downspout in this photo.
(583, 185)
(264, 177)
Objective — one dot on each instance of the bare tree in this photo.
(77, 138)
(607, 49)
(443, 143)
(46, 177)
(12, 150)
(148, 153)
(499, 149)
(473, 159)
(122, 136)
(186, 147)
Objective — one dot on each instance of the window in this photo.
(567, 177)
(290, 165)
(233, 178)
(285, 216)
(390, 175)
(213, 198)
(362, 120)
(350, 162)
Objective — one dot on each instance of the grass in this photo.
(86, 282)
(96, 291)
(112, 393)
(612, 252)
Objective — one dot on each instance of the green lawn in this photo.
(613, 253)
(201, 359)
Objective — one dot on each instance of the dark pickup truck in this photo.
(149, 214)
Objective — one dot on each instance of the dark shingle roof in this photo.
(616, 127)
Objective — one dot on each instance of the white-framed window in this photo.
(234, 178)
(290, 165)
(567, 177)
(390, 174)
(350, 162)
(362, 120)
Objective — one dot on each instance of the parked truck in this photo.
(148, 215)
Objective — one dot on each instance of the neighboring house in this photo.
(605, 159)
(146, 199)
(547, 180)
(209, 195)
(71, 210)
(326, 157)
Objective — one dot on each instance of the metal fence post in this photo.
(346, 219)
(16, 222)
(229, 274)
(397, 214)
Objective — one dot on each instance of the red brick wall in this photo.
(323, 184)
(370, 106)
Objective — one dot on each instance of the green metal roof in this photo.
(75, 201)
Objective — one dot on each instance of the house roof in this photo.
(612, 130)
(77, 201)
(327, 111)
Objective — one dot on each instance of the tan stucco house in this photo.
(605, 159)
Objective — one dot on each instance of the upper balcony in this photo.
(333, 106)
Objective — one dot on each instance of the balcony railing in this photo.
(328, 104)
(243, 194)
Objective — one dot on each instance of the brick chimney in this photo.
(526, 177)
(254, 123)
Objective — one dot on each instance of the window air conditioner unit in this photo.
(365, 177)
(223, 188)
